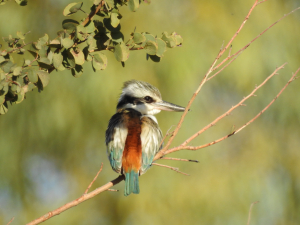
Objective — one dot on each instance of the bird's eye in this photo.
(148, 99)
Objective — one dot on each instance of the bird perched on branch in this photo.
(133, 136)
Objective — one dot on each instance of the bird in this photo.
(133, 136)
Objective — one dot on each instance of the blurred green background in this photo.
(52, 144)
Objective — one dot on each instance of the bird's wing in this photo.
(116, 134)
(151, 138)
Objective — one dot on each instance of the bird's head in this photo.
(145, 98)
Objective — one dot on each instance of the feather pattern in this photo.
(116, 134)
(151, 137)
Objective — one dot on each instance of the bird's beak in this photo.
(167, 106)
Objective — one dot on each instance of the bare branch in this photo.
(12, 219)
(250, 211)
(77, 201)
(161, 153)
(181, 147)
(170, 167)
(177, 159)
(88, 188)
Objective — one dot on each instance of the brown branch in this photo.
(167, 134)
(181, 147)
(240, 28)
(88, 188)
(170, 167)
(250, 211)
(162, 152)
(12, 219)
(247, 45)
(77, 201)
(178, 159)
(93, 13)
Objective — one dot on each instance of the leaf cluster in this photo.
(76, 43)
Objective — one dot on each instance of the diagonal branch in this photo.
(181, 147)
(77, 201)
(161, 153)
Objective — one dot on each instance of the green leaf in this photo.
(99, 61)
(15, 88)
(76, 7)
(151, 47)
(45, 63)
(90, 27)
(161, 47)
(81, 32)
(31, 86)
(78, 56)
(138, 38)
(50, 56)
(169, 39)
(55, 43)
(17, 71)
(91, 42)
(114, 20)
(2, 59)
(155, 58)
(21, 2)
(44, 77)
(77, 71)
(110, 3)
(20, 97)
(70, 25)
(61, 67)
(116, 36)
(72, 8)
(31, 74)
(3, 109)
(27, 62)
(133, 5)
(178, 38)
(20, 35)
(43, 51)
(121, 52)
(67, 43)
(2, 99)
(43, 40)
(57, 60)
(70, 60)
(149, 37)
(6, 65)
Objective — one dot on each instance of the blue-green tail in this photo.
(131, 183)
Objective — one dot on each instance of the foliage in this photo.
(77, 43)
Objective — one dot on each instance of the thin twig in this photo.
(162, 152)
(10, 220)
(77, 201)
(170, 167)
(167, 134)
(250, 211)
(114, 190)
(178, 159)
(181, 147)
(93, 13)
(247, 45)
(88, 188)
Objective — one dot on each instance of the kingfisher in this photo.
(133, 136)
